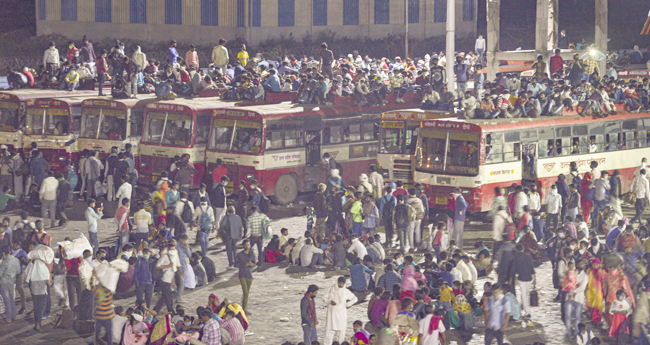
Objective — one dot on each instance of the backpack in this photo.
(401, 215)
(419, 212)
(412, 213)
(157, 273)
(264, 204)
(186, 215)
(509, 231)
(389, 207)
(206, 221)
(577, 180)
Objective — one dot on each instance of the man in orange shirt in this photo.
(123, 229)
(219, 171)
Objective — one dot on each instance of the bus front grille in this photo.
(404, 175)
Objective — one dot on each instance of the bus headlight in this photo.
(250, 176)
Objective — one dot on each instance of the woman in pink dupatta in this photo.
(615, 279)
(136, 332)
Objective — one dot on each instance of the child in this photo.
(584, 336)
(465, 314)
(487, 288)
(399, 259)
(570, 282)
(309, 212)
(457, 288)
(358, 328)
(620, 309)
(446, 294)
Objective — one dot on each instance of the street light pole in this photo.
(406, 29)
(451, 45)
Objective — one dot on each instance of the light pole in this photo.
(406, 29)
(451, 45)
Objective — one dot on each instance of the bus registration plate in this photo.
(441, 200)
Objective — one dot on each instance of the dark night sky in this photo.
(626, 18)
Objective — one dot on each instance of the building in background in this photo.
(204, 21)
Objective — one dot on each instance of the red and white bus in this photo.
(54, 125)
(12, 112)
(174, 128)
(108, 122)
(398, 131)
(479, 155)
(282, 145)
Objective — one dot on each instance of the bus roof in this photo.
(26, 94)
(189, 106)
(416, 114)
(489, 125)
(128, 103)
(291, 110)
(56, 102)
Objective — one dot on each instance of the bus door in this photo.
(313, 171)
(528, 163)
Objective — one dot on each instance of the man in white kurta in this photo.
(338, 299)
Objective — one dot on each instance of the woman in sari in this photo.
(594, 291)
(136, 332)
(159, 201)
(409, 283)
(616, 279)
(163, 332)
(585, 204)
(213, 303)
(529, 241)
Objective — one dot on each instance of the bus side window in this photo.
(511, 152)
(353, 132)
(293, 134)
(335, 135)
(369, 132)
(495, 154)
(576, 149)
(641, 138)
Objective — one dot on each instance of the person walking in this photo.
(256, 222)
(92, 217)
(320, 208)
(143, 279)
(109, 173)
(641, 188)
(241, 204)
(62, 197)
(602, 187)
(123, 229)
(553, 208)
(48, 196)
(386, 208)
(142, 221)
(38, 167)
(168, 267)
(17, 163)
(93, 170)
(402, 221)
(184, 254)
(245, 259)
(497, 315)
(204, 216)
(232, 228)
(9, 270)
(459, 217)
(308, 314)
(479, 47)
(104, 313)
(218, 198)
(525, 272)
(338, 299)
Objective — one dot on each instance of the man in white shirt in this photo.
(142, 221)
(479, 46)
(357, 247)
(310, 256)
(641, 188)
(180, 206)
(166, 263)
(644, 165)
(534, 200)
(125, 190)
(521, 200)
(47, 194)
(553, 207)
(432, 335)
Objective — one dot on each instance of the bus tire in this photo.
(286, 189)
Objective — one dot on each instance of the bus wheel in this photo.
(286, 189)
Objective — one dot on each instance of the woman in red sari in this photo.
(586, 204)
(213, 303)
(530, 244)
(615, 280)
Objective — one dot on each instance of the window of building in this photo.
(286, 12)
(42, 9)
(350, 12)
(414, 11)
(174, 12)
(209, 12)
(440, 11)
(382, 11)
(320, 12)
(69, 10)
(103, 9)
(138, 11)
(256, 13)
(468, 10)
(241, 13)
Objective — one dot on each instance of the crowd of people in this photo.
(556, 84)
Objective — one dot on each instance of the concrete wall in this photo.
(191, 30)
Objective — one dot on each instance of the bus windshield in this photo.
(113, 124)
(9, 119)
(396, 140)
(247, 136)
(56, 122)
(450, 152)
(168, 129)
